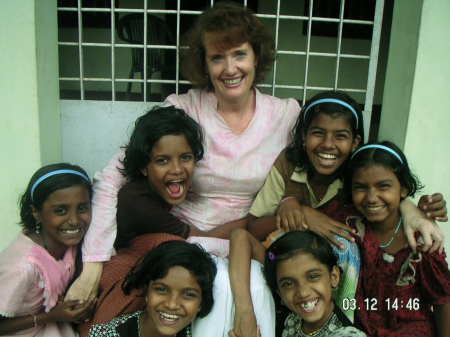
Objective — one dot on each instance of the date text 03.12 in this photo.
(371, 304)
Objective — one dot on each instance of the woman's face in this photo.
(232, 71)
(172, 303)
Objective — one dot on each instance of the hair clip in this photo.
(271, 256)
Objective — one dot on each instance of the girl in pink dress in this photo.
(37, 266)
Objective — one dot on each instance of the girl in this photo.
(159, 161)
(176, 278)
(302, 269)
(37, 266)
(400, 292)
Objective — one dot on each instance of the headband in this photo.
(377, 146)
(332, 100)
(45, 176)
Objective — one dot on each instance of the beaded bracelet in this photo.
(35, 320)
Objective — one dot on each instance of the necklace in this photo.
(392, 238)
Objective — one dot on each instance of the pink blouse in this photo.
(32, 280)
(226, 180)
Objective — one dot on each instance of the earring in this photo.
(304, 146)
(353, 150)
(38, 227)
(333, 288)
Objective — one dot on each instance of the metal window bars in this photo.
(276, 83)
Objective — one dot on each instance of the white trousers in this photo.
(221, 319)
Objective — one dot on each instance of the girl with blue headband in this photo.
(401, 292)
(37, 266)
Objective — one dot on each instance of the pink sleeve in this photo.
(99, 240)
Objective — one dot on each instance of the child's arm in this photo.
(415, 221)
(222, 231)
(243, 247)
(290, 215)
(441, 316)
(70, 311)
(261, 227)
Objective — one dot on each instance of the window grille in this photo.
(95, 62)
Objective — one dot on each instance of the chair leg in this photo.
(127, 96)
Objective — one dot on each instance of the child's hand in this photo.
(434, 207)
(257, 333)
(416, 221)
(289, 215)
(73, 311)
(322, 224)
(85, 286)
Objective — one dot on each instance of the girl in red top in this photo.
(400, 292)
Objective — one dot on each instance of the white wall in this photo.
(416, 100)
(29, 101)
(92, 131)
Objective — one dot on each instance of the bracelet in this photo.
(285, 200)
(35, 320)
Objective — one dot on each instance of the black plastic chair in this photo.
(130, 28)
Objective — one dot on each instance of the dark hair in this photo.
(150, 128)
(296, 154)
(366, 156)
(46, 187)
(156, 263)
(226, 25)
(293, 243)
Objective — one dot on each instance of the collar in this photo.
(333, 188)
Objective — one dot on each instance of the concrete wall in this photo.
(416, 100)
(29, 101)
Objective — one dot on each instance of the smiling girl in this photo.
(37, 266)
(302, 269)
(401, 292)
(176, 278)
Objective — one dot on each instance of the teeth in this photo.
(233, 81)
(71, 232)
(309, 305)
(169, 317)
(374, 208)
(175, 181)
(327, 156)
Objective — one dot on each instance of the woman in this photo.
(243, 128)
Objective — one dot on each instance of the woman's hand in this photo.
(434, 206)
(73, 311)
(416, 221)
(85, 286)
